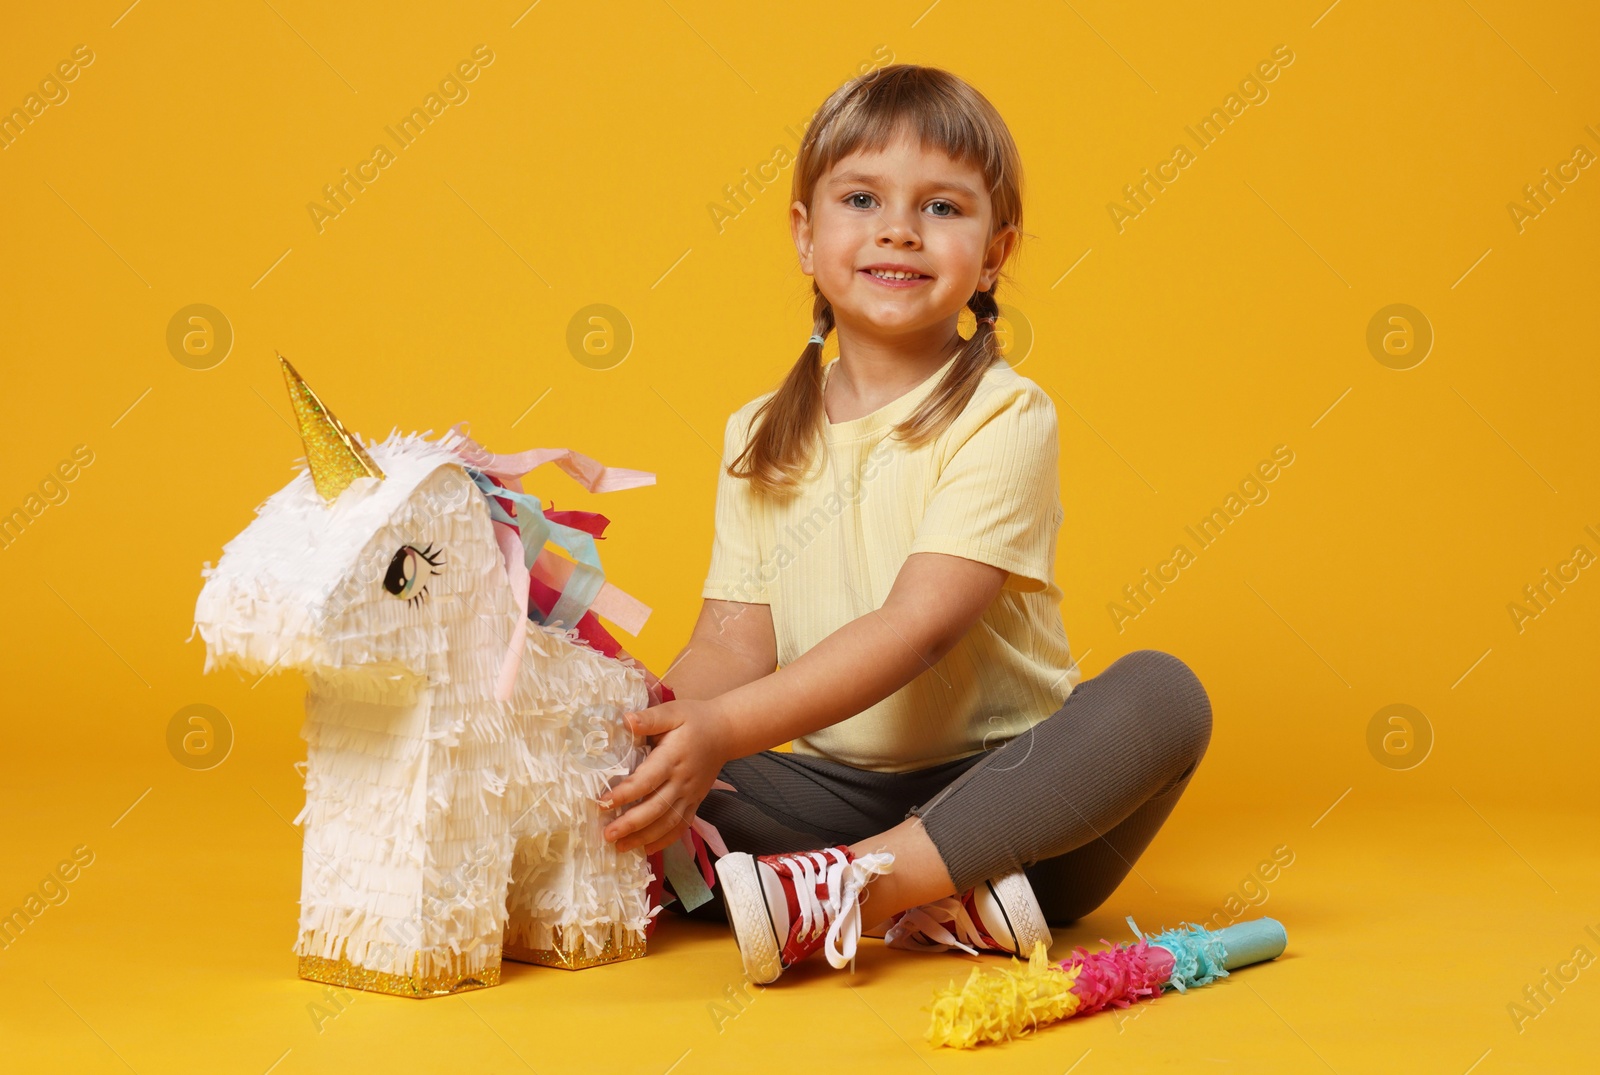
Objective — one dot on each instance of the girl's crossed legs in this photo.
(1074, 801)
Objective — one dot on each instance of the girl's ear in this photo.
(800, 226)
(1000, 249)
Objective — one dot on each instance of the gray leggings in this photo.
(1073, 801)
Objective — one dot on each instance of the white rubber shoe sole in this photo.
(1014, 899)
(749, 915)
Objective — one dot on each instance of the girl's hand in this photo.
(687, 737)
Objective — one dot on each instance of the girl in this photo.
(886, 535)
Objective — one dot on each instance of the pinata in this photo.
(464, 707)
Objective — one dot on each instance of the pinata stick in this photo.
(1255, 941)
(998, 1003)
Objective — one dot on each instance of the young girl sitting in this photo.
(885, 538)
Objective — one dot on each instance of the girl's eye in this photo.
(409, 571)
(851, 201)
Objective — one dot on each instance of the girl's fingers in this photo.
(662, 832)
(652, 721)
(637, 784)
(642, 815)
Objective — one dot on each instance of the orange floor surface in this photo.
(1414, 928)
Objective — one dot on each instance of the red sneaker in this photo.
(784, 907)
(1000, 915)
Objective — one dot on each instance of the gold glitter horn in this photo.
(335, 457)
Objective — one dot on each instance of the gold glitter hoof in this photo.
(576, 955)
(342, 972)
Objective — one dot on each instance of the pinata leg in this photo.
(560, 912)
(575, 901)
(400, 893)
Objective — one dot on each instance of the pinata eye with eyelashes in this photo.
(404, 572)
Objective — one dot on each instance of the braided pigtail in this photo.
(787, 427)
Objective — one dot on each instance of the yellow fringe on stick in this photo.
(994, 1007)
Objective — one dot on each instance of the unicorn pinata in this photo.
(455, 744)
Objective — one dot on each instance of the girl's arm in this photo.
(935, 600)
(732, 644)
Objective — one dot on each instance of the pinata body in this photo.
(450, 812)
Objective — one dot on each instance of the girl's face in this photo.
(910, 207)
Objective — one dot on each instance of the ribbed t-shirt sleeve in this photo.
(735, 572)
(997, 499)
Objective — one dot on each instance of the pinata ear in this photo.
(335, 457)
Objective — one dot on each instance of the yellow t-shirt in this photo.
(987, 488)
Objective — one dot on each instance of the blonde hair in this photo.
(943, 112)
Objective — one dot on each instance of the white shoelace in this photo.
(925, 928)
(842, 904)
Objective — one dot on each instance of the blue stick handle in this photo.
(1255, 941)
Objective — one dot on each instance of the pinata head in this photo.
(351, 572)
(334, 456)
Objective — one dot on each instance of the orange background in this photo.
(583, 167)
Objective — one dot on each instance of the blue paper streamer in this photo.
(1198, 956)
(687, 882)
(536, 531)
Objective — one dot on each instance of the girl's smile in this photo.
(895, 275)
